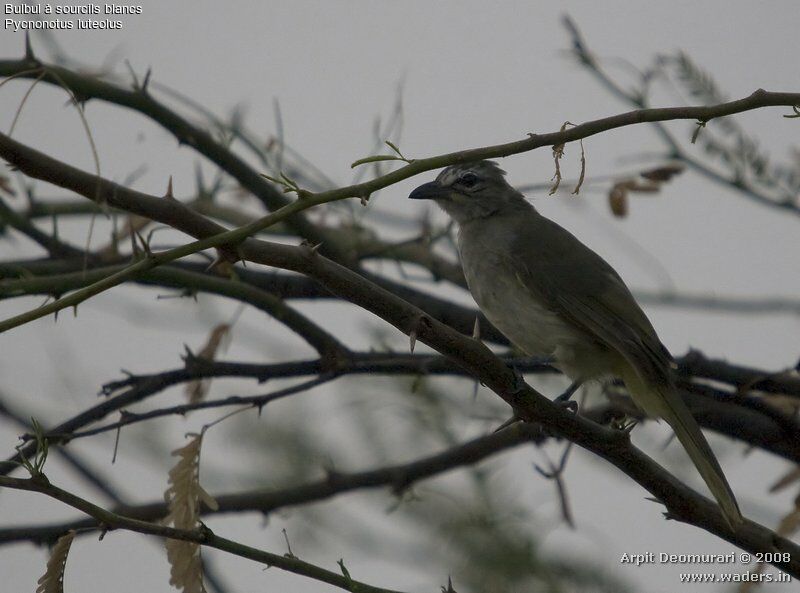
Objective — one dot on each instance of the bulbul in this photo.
(552, 296)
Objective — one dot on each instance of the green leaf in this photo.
(375, 159)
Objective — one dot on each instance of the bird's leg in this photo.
(565, 399)
(567, 395)
(519, 385)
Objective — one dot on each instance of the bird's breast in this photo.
(519, 314)
(526, 321)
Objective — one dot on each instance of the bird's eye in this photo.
(468, 179)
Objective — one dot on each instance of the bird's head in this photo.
(471, 190)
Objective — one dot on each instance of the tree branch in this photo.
(204, 536)
(86, 87)
(588, 60)
(397, 477)
(682, 503)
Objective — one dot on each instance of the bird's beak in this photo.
(429, 191)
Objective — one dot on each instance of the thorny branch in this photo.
(682, 503)
(397, 477)
(111, 520)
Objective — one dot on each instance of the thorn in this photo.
(364, 199)
(198, 176)
(116, 442)
(132, 72)
(134, 245)
(312, 249)
(218, 260)
(414, 333)
(28, 48)
(476, 330)
(449, 588)
(169, 195)
(345, 572)
(288, 554)
(510, 422)
(145, 246)
(240, 255)
(188, 356)
(143, 89)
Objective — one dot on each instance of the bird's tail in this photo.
(664, 402)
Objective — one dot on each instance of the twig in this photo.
(205, 537)
(397, 477)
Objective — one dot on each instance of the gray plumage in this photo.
(553, 296)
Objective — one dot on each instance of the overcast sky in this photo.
(472, 73)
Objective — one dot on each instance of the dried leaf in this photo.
(215, 340)
(618, 200)
(558, 153)
(633, 185)
(582, 176)
(186, 566)
(52, 581)
(664, 173)
(134, 225)
(197, 390)
(183, 498)
(207, 499)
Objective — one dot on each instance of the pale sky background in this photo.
(473, 74)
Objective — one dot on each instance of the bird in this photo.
(552, 296)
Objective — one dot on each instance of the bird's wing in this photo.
(579, 286)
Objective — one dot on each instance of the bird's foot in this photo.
(570, 391)
(565, 399)
(625, 426)
(568, 404)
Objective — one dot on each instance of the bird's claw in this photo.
(565, 399)
(625, 426)
(567, 404)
